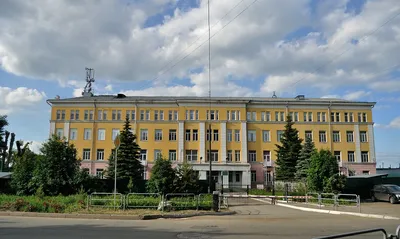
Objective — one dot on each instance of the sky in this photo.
(345, 49)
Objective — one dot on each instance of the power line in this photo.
(342, 53)
(192, 43)
(183, 58)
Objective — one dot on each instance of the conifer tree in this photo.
(304, 160)
(288, 152)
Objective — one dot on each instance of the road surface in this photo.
(256, 221)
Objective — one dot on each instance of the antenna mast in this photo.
(87, 91)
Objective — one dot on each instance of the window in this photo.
(147, 114)
(195, 135)
(86, 154)
(73, 134)
(322, 136)
(208, 135)
(363, 136)
(156, 115)
(99, 172)
(86, 115)
(175, 115)
(142, 115)
(100, 115)
(144, 134)
(364, 157)
(157, 154)
(321, 116)
(349, 136)
(237, 177)
(143, 154)
(172, 154)
(91, 115)
(336, 136)
(335, 117)
(237, 135)
(101, 134)
(72, 115)
(252, 156)
(229, 135)
(172, 134)
(100, 154)
(187, 135)
(60, 133)
(365, 172)
(87, 135)
(346, 117)
(350, 156)
(351, 117)
(133, 115)
(251, 136)
(229, 156)
(282, 116)
(233, 115)
(266, 136)
(308, 134)
(337, 155)
(364, 117)
(216, 138)
(267, 155)
(158, 135)
(214, 114)
(307, 116)
(294, 116)
(191, 155)
(237, 155)
(214, 155)
(115, 133)
(279, 135)
(266, 116)
(63, 114)
(58, 114)
(161, 114)
(113, 115)
(172, 115)
(253, 176)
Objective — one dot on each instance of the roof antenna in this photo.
(274, 95)
(87, 91)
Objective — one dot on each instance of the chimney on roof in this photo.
(274, 95)
(300, 97)
(57, 97)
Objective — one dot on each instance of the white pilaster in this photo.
(52, 128)
(181, 141)
(243, 133)
(371, 140)
(66, 130)
(357, 142)
(223, 142)
(202, 138)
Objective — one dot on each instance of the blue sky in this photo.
(269, 47)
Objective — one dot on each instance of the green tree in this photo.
(335, 184)
(186, 180)
(56, 171)
(128, 159)
(23, 167)
(288, 152)
(3, 124)
(304, 159)
(323, 166)
(162, 177)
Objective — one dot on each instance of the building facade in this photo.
(243, 133)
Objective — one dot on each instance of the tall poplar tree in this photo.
(288, 152)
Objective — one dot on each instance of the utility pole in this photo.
(209, 96)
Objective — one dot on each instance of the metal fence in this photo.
(143, 200)
(180, 201)
(334, 200)
(363, 232)
(106, 200)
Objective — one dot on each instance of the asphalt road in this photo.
(256, 221)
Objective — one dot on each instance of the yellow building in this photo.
(244, 131)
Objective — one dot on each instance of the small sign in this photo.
(117, 141)
(260, 186)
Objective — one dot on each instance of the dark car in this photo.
(386, 192)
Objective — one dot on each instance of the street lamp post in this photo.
(117, 143)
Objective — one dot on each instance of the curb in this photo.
(340, 213)
(113, 216)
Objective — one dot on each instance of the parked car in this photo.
(386, 192)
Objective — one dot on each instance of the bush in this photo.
(57, 204)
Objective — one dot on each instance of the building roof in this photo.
(198, 99)
(369, 175)
(5, 174)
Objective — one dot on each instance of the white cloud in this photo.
(112, 38)
(35, 146)
(356, 95)
(395, 123)
(17, 99)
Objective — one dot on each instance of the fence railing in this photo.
(335, 200)
(363, 232)
(174, 201)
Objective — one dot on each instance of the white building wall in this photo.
(223, 142)
(243, 133)
(181, 141)
(66, 130)
(357, 142)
